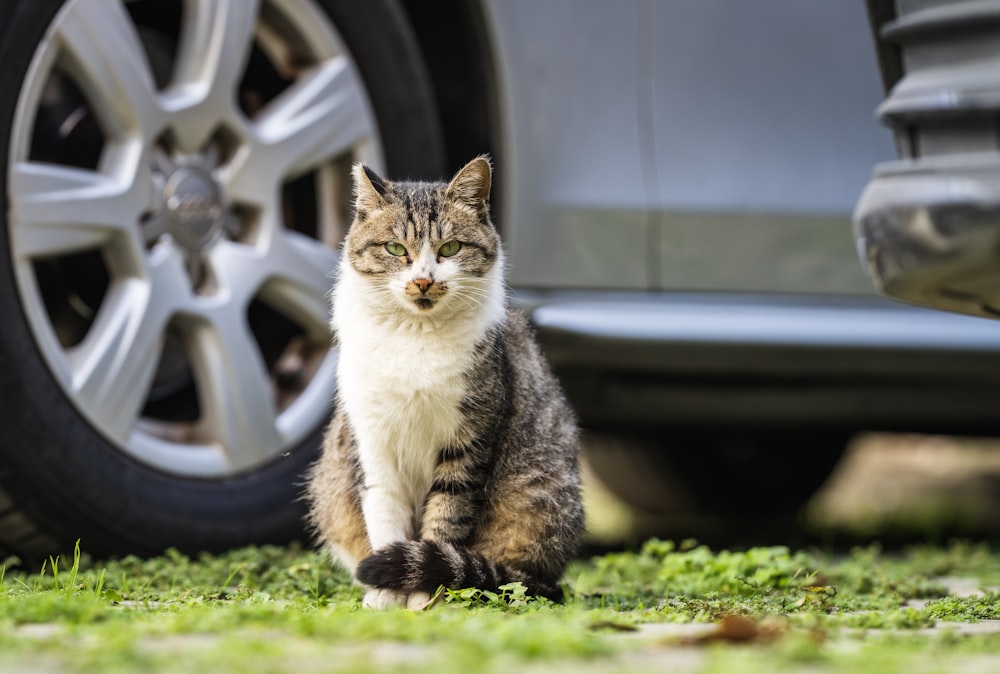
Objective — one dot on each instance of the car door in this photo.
(576, 210)
(763, 134)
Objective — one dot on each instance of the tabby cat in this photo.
(451, 459)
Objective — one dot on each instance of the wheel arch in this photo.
(466, 89)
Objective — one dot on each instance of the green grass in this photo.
(287, 610)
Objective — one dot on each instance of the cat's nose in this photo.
(423, 283)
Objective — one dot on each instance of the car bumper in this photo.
(929, 234)
(928, 225)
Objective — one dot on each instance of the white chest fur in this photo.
(401, 383)
(402, 394)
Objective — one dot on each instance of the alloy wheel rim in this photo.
(187, 214)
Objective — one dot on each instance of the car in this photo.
(674, 185)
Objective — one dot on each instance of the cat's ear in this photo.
(471, 185)
(370, 190)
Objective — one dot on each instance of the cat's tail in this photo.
(424, 566)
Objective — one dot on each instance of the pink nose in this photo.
(423, 283)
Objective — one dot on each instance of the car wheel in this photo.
(744, 476)
(175, 182)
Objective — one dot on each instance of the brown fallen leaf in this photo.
(738, 629)
(735, 629)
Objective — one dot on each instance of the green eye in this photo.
(396, 249)
(449, 249)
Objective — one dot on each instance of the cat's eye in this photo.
(449, 249)
(397, 249)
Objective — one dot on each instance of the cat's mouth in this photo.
(423, 303)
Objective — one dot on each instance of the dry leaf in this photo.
(738, 629)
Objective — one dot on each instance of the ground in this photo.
(674, 606)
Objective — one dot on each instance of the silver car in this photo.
(674, 188)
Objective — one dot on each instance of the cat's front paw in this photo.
(380, 599)
(418, 601)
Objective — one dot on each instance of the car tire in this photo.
(65, 475)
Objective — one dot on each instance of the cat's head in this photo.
(425, 247)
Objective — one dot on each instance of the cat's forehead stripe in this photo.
(421, 204)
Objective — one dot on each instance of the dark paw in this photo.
(383, 569)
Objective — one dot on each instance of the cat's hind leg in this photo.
(335, 500)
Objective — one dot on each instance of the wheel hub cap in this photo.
(193, 207)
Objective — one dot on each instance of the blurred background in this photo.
(893, 488)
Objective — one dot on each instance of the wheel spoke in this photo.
(59, 210)
(239, 270)
(215, 42)
(320, 117)
(237, 401)
(300, 283)
(106, 58)
(113, 367)
(293, 274)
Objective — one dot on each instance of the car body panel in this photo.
(761, 156)
(576, 204)
(664, 146)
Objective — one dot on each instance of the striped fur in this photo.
(452, 455)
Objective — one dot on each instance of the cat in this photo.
(452, 456)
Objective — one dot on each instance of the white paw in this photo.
(418, 601)
(383, 599)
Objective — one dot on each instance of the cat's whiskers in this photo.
(467, 302)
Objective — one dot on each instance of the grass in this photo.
(287, 610)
